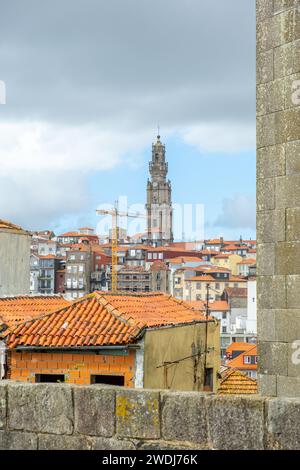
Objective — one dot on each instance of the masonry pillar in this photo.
(278, 196)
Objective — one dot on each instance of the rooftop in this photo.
(103, 320)
(14, 310)
(235, 382)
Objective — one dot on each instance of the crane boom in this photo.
(115, 213)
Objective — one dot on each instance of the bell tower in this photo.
(159, 198)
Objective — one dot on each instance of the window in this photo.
(49, 378)
(108, 379)
(161, 256)
(217, 286)
(247, 360)
(224, 315)
(198, 285)
(149, 255)
(224, 329)
(208, 380)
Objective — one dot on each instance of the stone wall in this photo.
(61, 416)
(278, 195)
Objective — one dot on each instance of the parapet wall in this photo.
(61, 416)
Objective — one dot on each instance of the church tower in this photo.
(159, 198)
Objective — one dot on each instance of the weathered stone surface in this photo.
(137, 414)
(273, 358)
(288, 191)
(271, 292)
(271, 129)
(288, 387)
(267, 385)
(286, 61)
(280, 5)
(265, 194)
(265, 258)
(266, 325)
(184, 417)
(271, 226)
(278, 30)
(287, 258)
(271, 97)
(292, 122)
(271, 161)
(162, 445)
(293, 224)
(265, 64)
(292, 157)
(293, 291)
(236, 423)
(52, 442)
(17, 441)
(283, 417)
(294, 361)
(2, 404)
(40, 407)
(264, 9)
(94, 410)
(102, 443)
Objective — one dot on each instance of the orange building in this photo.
(137, 340)
(244, 358)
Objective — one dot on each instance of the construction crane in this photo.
(115, 213)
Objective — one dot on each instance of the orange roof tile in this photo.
(6, 225)
(239, 347)
(238, 362)
(103, 319)
(201, 279)
(248, 261)
(14, 310)
(235, 382)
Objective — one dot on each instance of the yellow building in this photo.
(196, 286)
(226, 260)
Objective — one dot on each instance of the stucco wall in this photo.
(175, 344)
(14, 263)
(48, 416)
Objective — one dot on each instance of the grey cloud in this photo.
(129, 63)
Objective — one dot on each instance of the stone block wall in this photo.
(74, 417)
(278, 195)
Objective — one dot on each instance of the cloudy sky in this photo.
(87, 82)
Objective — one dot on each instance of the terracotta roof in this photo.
(201, 279)
(236, 291)
(248, 261)
(97, 320)
(219, 306)
(6, 225)
(216, 306)
(184, 259)
(238, 362)
(159, 265)
(235, 382)
(237, 279)
(14, 310)
(239, 347)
